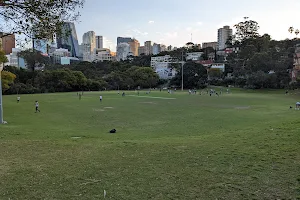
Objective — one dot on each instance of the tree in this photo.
(194, 76)
(3, 58)
(260, 62)
(34, 59)
(246, 29)
(144, 77)
(42, 19)
(7, 79)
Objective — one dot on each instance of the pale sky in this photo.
(171, 22)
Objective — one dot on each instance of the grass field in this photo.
(244, 145)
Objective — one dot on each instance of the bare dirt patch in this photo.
(148, 102)
(108, 107)
(98, 110)
(242, 107)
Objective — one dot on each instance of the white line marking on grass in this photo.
(151, 97)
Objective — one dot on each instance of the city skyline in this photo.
(172, 22)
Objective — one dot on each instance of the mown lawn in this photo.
(244, 145)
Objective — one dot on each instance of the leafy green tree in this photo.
(260, 62)
(144, 77)
(194, 76)
(246, 29)
(7, 79)
(3, 58)
(41, 18)
(34, 59)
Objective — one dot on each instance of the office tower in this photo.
(89, 45)
(68, 39)
(134, 46)
(99, 42)
(148, 48)
(123, 40)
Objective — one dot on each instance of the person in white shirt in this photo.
(18, 99)
(100, 98)
(297, 105)
(37, 107)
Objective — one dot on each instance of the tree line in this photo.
(83, 76)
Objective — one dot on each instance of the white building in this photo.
(162, 66)
(223, 35)
(58, 54)
(101, 55)
(194, 56)
(123, 51)
(14, 59)
(99, 42)
(161, 59)
(164, 70)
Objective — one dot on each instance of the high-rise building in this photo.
(7, 42)
(156, 49)
(68, 39)
(148, 48)
(223, 35)
(141, 50)
(210, 44)
(99, 42)
(123, 51)
(123, 40)
(134, 47)
(89, 45)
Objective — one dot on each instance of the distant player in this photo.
(297, 105)
(37, 106)
(123, 94)
(18, 99)
(79, 96)
(100, 98)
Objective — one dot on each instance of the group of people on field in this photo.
(210, 92)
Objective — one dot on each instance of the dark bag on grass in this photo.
(113, 131)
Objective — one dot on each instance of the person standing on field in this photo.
(37, 107)
(18, 99)
(100, 98)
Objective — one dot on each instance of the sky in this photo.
(171, 22)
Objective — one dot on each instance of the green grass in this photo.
(244, 145)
